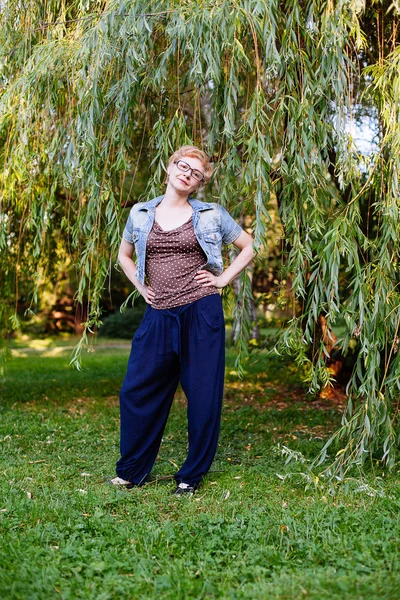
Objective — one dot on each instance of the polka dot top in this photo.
(172, 260)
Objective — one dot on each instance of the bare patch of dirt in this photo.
(279, 397)
(269, 396)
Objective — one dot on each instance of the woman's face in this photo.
(185, 175)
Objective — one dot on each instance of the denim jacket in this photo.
(212, 225)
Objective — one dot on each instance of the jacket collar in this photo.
(195, 204)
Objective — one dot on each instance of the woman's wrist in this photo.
(224, 280)
(135, 280)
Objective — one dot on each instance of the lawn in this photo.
(246, 534)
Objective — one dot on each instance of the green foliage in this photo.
(96, 95)
(121, 324)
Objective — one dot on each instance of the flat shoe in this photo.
(184, 489)
(121, 483)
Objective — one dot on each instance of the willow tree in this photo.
(94, 97)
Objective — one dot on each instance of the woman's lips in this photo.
(183, 181)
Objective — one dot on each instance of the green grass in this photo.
(244, 535)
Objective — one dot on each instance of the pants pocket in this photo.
(211, 311)
(144, 325)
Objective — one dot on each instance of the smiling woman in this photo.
(178, 271)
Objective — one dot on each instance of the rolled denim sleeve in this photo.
(128, 231)
(229, 228)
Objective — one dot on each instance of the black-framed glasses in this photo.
(195, 173)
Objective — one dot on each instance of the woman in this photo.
(181, 338)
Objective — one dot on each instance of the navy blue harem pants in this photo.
(185, 344)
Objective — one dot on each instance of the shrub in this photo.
(122, 324)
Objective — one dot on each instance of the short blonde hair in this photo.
(194, 152)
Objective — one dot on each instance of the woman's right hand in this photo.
(145, 291)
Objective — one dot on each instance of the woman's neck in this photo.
(174, 199)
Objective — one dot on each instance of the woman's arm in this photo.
(125, 254)
(245, 244)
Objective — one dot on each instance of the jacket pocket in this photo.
(212, 237)
(135, 235)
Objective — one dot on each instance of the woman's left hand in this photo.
(207, 279)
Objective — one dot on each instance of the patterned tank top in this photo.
(172, 261)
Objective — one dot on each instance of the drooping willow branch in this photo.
(93, 104)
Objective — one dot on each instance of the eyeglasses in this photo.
(183, 166)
